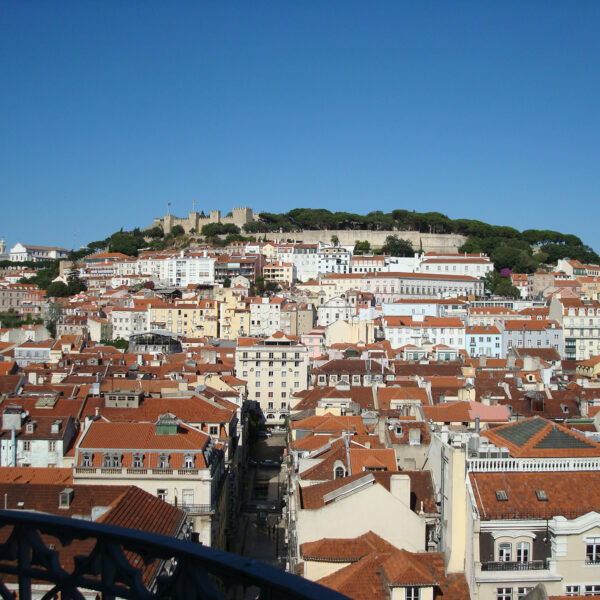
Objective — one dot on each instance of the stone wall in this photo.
(240, 215)
(428, 242)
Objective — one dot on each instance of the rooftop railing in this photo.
(30, 565)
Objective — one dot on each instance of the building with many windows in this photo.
(580, 320)
(26, 252)
(274, 368)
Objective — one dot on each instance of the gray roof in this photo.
(520, 433)
(560, 439)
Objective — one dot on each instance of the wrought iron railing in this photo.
(198, 509)
(532, 565)
(29, 564)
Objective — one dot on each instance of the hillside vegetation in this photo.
(519, 251)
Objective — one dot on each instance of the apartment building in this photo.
(126, 322)
(334, 259)
(172, 461)
(190, 319)
(17, 296)
(35, 441)
(228, 267)
(484, 340)
(274, 368)
(305, 258)
(538, 526)
(265, 315)
(531, 334)
(420, 330)
(33, 352)
(580, 320)
(187, 269)
(280, 272)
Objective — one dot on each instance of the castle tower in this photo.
(2, 247)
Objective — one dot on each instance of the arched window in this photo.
(339, 472)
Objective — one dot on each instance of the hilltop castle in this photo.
(238, 216)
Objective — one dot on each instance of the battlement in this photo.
(239, 215)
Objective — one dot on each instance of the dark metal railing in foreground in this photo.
(190, 570)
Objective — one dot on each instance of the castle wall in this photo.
(240, 215)
(428, 242)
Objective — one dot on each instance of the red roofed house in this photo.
(397, 506)
(177, 463)
(533, 491)
(421, 329)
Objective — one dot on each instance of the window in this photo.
(503, 593)
(592, 551)
(161, 494)
(271, 405)
(412, 593)
(572, 590)
(187, 497)
(339, 472)
(138, 461)
(592, 590)
(522, 592)
(111, 460)
(523, 552)
(52, 446)
(163, 461)
(86, 460)
(213, 430)
(188, 461)
(27, 446)
(504, 552)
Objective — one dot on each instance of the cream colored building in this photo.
(275, 368)
(280, 272)
(190, 319)
(180, 469)
(352, 331)
(333, 514)
(234, 316)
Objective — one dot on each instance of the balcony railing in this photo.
(501, 465)
(532, 565)
(196, 509)
(190, 570)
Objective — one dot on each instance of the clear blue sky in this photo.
(109, 110)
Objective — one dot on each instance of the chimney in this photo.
(400, 487)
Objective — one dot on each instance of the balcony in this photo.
(106, 565)
(533, 565)
(196, 509)
(133, 471)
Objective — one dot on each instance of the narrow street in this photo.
(262, 532)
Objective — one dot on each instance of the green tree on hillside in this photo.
(394, 246)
